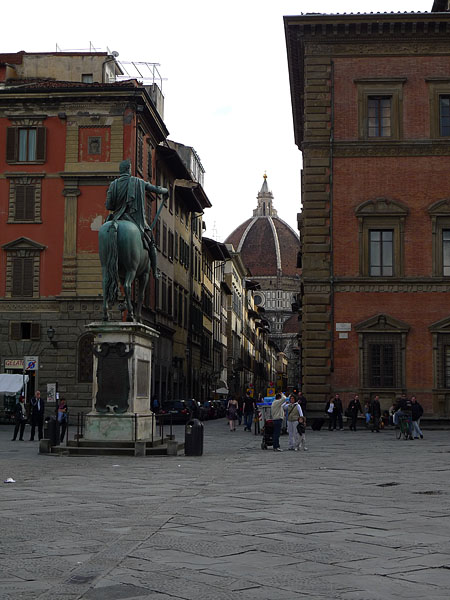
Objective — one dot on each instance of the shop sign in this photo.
(14, 363)
(31, 363)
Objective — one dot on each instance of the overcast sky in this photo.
(226, 84)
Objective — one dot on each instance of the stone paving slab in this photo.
(357, 517)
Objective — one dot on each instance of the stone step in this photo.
(111, 443)
(92, 451)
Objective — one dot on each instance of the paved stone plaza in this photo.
(359, 516)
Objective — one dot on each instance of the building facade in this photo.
(269, 249)
(65, 125)
(370, 97)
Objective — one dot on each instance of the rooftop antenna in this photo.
(214, 231)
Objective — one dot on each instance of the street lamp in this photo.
(51, 334)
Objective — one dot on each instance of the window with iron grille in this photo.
(443, 361)
(379, 116)
(446, 252)
(382, 361)
(444, 115)
(381, 259)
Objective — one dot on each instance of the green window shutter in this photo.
(35, 331)
(20, 203)
(17, 276)
(29, 210)
(11, 144)
(15, 330)
(41, 135)
(28, 272)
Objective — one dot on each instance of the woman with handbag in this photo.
(20, 419)
(232, 413)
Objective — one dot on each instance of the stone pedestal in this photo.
(121, 383)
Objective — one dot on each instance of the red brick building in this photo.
(371, 96)
(65, 124)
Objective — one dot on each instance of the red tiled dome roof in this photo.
(267, 244)
(292, 325)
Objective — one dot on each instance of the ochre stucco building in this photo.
(370, 97)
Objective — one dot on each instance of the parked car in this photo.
(175, 411)
(194, 407)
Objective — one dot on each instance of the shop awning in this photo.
(221, 391)
(11, 384)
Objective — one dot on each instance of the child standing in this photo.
(301, 428)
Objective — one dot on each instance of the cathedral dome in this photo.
(267, 244)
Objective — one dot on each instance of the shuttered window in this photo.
(22, 276)
(25, 203)
(25, 144)
(24, 331)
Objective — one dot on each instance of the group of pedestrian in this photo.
(237, 410)
(290, 409)
(374, 419)
(411, 411)
(36, 417)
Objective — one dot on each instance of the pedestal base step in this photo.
(157, 447)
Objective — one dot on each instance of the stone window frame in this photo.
(23, 248)
(437, 86)
(440, 219)
(385, 329)
(390, 86)
(12, 138)
(378, 214)
(16, 179)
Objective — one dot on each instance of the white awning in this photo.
(11, 384)
(221, 390)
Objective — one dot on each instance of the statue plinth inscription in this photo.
(122, 382)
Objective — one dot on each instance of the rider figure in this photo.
(126, 199)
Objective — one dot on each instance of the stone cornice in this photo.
(375, 148)
(414, 285)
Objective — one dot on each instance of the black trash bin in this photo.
(193, 438)
(52, 431)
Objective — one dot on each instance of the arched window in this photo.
(85, 345)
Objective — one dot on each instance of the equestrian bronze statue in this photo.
(126, 245)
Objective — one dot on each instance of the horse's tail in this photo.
(110, 264)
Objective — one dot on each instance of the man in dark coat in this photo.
(20, 418)
(338, 410)
(37, 415)
(353, 409)
(302, 401)
(375, 411)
